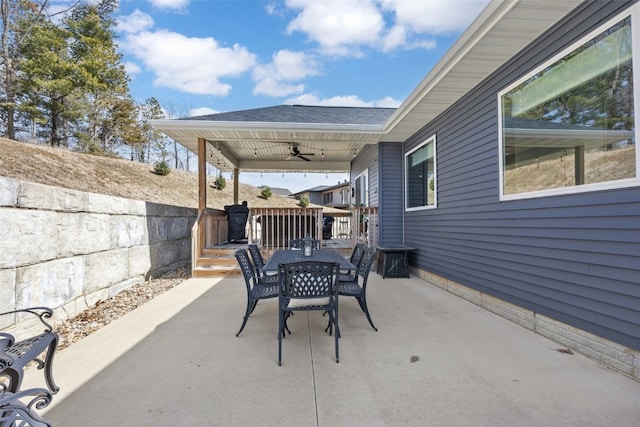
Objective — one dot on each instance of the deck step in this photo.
(217, 262)
(216, 271)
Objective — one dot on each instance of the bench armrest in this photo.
(41, 313)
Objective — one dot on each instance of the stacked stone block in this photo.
(68, 249)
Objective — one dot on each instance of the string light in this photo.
(354, 152)
(322, 153)
(255, 153)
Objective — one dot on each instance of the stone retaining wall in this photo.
(68, 249)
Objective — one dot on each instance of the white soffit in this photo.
(500, 31)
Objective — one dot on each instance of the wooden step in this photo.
(216, 272)
(217, 262)
(212, 260)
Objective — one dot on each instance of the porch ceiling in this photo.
(502, 29)
(263, 146)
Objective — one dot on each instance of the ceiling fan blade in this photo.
(303, 158)
(306, 154)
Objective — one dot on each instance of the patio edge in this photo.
(614, 356)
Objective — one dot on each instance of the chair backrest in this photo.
(297, 243)
(308, 280)
(248, 271)
(256, 256)
(366, 262)
(356, 255)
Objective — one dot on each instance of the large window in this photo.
(420, 176)
(570, 126)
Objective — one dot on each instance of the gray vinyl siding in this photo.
(392, 194)
(575, 258)
(367, 159)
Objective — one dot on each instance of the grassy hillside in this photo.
(117, 177)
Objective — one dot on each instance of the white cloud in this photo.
(280, 76)
(342, 101)
(135, 22)
(434, 16)
(132, 68)
(387, 102)
(202, 111)
(338, 26)
(346, 27)
(170, 4)
(189, 64)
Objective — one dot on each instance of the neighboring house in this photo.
(285, 192)
(337, 196)
(313, 194)
(512, 169)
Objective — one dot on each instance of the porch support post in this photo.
(579, 150)
(236, 185)
(202, 174)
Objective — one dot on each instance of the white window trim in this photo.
(364, 174)
(432, 138)
(634, 12)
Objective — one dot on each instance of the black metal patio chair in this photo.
(357, 286)
(356, 256)
(306, 286)
(255, 291)
(258, 263)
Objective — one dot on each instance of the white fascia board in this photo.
(283, 126)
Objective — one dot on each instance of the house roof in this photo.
(262, 139)
(307, 114)
(316, 189)
(280, 191)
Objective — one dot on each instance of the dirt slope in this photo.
(117, 177)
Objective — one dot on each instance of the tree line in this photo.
(63, 83)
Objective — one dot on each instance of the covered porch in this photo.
(437, 359)
(282, 139)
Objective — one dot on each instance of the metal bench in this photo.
(17, 406)
(16, 355)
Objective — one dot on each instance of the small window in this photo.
(570, 126)
(361, 189)
(420, 176)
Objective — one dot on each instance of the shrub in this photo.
(266, 193)
(304, 202)
(162, 168)
(221, 182)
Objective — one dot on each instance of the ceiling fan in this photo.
(294, 152)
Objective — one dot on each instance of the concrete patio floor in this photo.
(176, 361)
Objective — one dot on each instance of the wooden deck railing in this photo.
(272, 228)
(366, 218)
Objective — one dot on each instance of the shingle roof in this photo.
(305, 114)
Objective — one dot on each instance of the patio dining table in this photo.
(285, 256)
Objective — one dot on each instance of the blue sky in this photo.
(205, 56)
